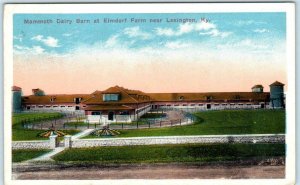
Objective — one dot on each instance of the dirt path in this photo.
(156, 172)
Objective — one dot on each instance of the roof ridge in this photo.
(127, 94)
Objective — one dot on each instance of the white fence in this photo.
(253, 138)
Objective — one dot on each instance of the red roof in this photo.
(112, 90)
(257, 86)
(54, 99)
(277, 84)
(109, 107)
(213, 95)
(16, 88)
(127, 96)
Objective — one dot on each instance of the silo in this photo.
(277, 95)
(16, 99)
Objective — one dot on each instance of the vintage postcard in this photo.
(182, 93)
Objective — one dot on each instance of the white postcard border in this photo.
(289, 8)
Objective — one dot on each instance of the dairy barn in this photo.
(119, 103)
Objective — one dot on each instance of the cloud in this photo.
(136, 32)
(246, 44)
(48, 41)
(216, 33)
(261, 30)
(248, 22)
(19, 37)
(112, 41)
(38, 49)
(205, 28)
(165, 31)
(35, 50)
(176, 45)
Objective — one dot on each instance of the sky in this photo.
(211, 52)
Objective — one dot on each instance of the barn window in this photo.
(111, 97)
(181, 98)
(77, 100)
(124, 112)
(96, 113)
(209, 97)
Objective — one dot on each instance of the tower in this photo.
(277, 95)
(16, 99)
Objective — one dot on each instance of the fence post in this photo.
(149, 123)
(68, 141)
(180, 122)
(122, 125)
(159, 123)
(53, 141)
(137, 124)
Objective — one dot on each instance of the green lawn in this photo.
(172, 153)
(220, 122)
(33, 117)
(20, 134)
(23, 155)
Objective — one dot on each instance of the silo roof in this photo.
(258, 86)
(277, 84)
(16, 88)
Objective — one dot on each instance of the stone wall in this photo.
(264, 138)
(43, 144)
(30, 145)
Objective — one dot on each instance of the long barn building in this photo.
(125, 105)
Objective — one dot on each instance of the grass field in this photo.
(172, 153)
(18, 118)
(23, 155)
(220, 122)
(20, 134)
